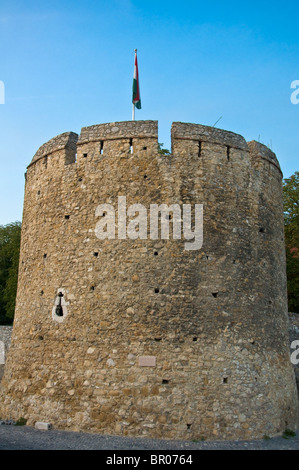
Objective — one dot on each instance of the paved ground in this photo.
(27, 438)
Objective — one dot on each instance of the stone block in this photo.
(42, 426)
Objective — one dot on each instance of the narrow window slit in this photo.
(102, 147)
(228, 153)
(131, 145)
(199, 149)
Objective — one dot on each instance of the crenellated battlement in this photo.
(260, 151)
(119, 130)
(136, 136)
(65, 141)
(200, 133)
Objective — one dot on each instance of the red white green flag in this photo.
(136, 90)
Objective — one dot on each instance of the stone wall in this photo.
(66, 141)
(152, 339)
(5, 338)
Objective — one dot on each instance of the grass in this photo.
(288, 433)
(21, 422)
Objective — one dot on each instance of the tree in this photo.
(161, 150)
(291, 218)
(10, 236)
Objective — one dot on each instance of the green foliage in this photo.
(10, 236)
(291, 206)
(162, 151)
(291, 217)
(21, 422)
(288, 433)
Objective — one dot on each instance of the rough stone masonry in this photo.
(141, 337)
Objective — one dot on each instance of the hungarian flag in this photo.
(136, 91)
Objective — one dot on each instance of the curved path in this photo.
(27, 438)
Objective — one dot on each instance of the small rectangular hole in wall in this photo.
(131, 145)
(214, 294)
(67, 217)
(102, 147)
(84, 155)
(165, 381)
(225, 380)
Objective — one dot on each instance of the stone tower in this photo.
(140, 336)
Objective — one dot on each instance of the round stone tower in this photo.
(152, 288)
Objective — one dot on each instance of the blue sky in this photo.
(69, 64)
